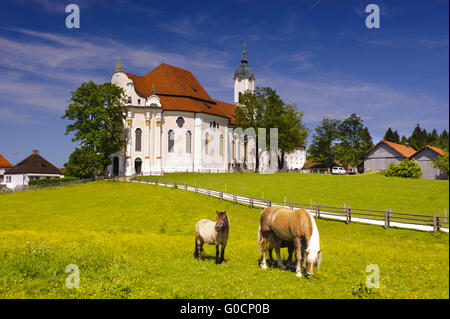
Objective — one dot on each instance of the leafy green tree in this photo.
(442, 163)
(83, 163)
(265, 109)
(97, 113)
(354, 140)
(323, 142)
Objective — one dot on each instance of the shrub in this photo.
(46, 181)
(406, 168)
(442, 162)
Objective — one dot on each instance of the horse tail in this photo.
(261, 242)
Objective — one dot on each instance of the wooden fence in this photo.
(385, 218)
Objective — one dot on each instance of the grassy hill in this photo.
(359, 191)
(133, 240)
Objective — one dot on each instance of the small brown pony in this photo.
(212, 233)
(278, 224)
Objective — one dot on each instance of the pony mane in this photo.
(313, 248)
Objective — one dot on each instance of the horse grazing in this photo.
(278, 224)
(212, 233)
(284, 244)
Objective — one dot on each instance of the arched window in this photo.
(221, 145)
(188, 141)
(138, 133)
(171, 141)
(129, 99)
(206, 143)
(139, 101)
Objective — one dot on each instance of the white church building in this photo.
(173, 125)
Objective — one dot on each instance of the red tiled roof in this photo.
(4, 162)
(179, 90)
(36, 164)
(433, 148)
(404, 150)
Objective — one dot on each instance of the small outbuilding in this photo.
(382, 154)
(32, 167)
(425, 157)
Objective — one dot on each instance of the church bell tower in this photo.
(243, 78)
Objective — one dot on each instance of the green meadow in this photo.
(359, 191)
(133, 240)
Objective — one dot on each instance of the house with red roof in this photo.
(4, 165)
(425, 157)
(383, 153)
(32, 167)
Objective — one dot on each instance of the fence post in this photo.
(434, 223)
(196, 188)
(221, 195)
(346, 215)
(318, 211)
(250, 201)
(438, 226)
(234, 199)
(292, 205)
(209, 191)
(175, 184)
(269, 203)
(156, 181)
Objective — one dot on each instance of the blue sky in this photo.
(317, 54)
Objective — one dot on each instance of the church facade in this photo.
(172, 124)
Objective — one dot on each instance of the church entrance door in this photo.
(115, 166)
(138, 165)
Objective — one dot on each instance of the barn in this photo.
(382, 154)
(425, 156)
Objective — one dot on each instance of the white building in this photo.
(32, 167)
(172, 124)
(4, 165)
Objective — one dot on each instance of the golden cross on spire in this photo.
(245, 46)
(118, 65)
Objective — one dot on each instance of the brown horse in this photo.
(212, 233)
(278, 224)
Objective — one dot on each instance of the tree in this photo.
(355, 140)
(98, 114)
(83, 163)
(322, 145)
(433, 138)
(418, 138)
(442, 162)
(389, 135)
(444, 140)
(265, 109)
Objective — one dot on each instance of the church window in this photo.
(138, 143)
(221, 145)
(171, 141)
(139, 101)
(188, 141)
(129, 99)
(207, 144)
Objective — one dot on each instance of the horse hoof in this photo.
(299, 274)
(264, 266)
